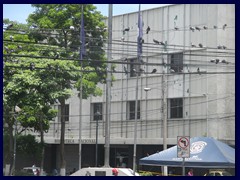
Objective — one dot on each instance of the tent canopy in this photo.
(204, 152)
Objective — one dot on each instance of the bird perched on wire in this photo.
(155, 41)
(224, 26)
(192, 29)
(197, 28)
(147, 30)
(154, 71)
(162, 43)
(198, 70)
(125, 70)
(127, 29)
(205, 27)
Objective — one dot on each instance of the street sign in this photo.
(183, 146)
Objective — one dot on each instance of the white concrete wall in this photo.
(218, 90)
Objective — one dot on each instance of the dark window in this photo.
(176, 62)
(132, 110)
(66, 112)
(176, 108)
(97, 111)
(134, 68)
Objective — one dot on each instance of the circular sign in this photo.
(183, 142)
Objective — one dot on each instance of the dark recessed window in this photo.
(131, 110)
(176, 108)
(176, 62)
(97, 111)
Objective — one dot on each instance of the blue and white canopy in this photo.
(205, 152)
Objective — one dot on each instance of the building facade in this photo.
(186, 76)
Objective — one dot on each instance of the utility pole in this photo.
(80, 91)
(108, 89)
(139, 53)
(164, 116)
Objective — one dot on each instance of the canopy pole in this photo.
(183, 167)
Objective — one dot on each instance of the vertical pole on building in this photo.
(96, 156)
(80, 110)
(164, 118)
(108, 89)
(164, 105)
(139, 53)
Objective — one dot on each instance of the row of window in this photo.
(175, 110)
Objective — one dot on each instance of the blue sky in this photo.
(20, 12)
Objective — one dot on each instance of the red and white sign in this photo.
(183, 146)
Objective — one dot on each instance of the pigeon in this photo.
(176, 28)
(127, 29)
(224, 61)
(192, 29)
(198, 70)
(198, 28)
(155, 41)
(154, 71)
(125, 70)
(148, 29)
(200, 45)
(162, 43)
(224, 26)
(205, 27)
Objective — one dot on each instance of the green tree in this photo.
(57, 19)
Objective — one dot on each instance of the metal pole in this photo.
(136, 99)
(164, 120)
(164, 84)
(15, 144)
(183, 167)
(96, 162)
(135, 128)
(108, 90)
(80, 113)
(16, 110)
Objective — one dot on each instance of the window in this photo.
(176, 108)
(176, 62)
(131, 110)
(66, 112)
(97, 111)
(133, 68)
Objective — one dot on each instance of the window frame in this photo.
(176, 62)
(97, 107)
(131, 110)
(175, 108)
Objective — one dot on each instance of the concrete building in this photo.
(193, 54)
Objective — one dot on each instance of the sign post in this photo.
(183, 149)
